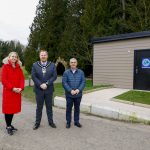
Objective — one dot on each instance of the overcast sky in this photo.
(15, 18)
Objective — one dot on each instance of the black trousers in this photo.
(70, 102)
(8, 119)
(41, 97)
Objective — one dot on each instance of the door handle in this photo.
(136, 70)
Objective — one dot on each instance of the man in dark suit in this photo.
(43, 75)
(73, 82)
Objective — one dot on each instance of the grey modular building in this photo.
(122, 60)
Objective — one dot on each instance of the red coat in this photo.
(11, 77)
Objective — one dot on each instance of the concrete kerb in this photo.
(85, 107)
(130, 103)
(133, 117)
(106, 112)
(60, 102)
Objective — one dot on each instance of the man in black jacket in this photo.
(43, 75)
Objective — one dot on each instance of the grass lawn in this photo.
(135, 96)
(59, 91)
(25, 73)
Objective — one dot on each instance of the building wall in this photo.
(113, 62)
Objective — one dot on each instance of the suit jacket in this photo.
(44, 74)
(73, 81)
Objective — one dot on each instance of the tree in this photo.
(48, 26)
(30, 56)
(72, 43)
(65, 27)
(138, 15)
(100, 18)
(7, 46)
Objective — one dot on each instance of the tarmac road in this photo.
(96, 134)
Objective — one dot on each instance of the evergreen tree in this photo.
(138, 15)
(65, 27)
(71, 43)
(48, 26)
(30, 56)
(8, 46)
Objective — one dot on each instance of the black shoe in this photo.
(13, 128)
(67, 125)
(36, 126)
(9, 130)
(78, 124)
(52, 124)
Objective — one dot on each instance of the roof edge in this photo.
(119, 37)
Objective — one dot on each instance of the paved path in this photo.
(96, 134)
(59, 79)
(100, 103)
(102, 97)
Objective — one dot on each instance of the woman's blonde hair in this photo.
(9, 55)
(18, 59)
(5, 60)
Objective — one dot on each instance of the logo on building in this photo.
(146, 63)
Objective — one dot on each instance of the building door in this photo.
(142, 69)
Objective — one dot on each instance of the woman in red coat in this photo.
(13, 84)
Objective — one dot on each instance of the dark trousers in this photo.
(8, 119)
(70, 102)
(41, 97)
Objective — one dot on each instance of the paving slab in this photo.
(100, 103)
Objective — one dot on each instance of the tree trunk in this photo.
(123, 9)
